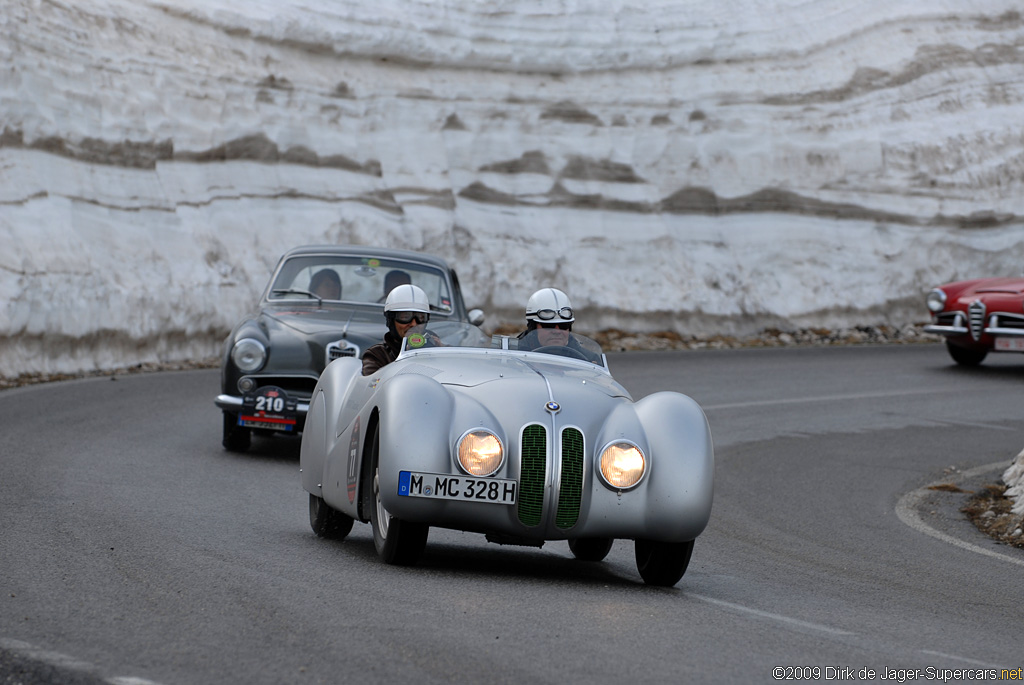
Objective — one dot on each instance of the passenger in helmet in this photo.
(406, 308)
(549, 319)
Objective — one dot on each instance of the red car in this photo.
(977, 317)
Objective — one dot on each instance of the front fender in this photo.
(321, 430)
(682, 477)
(415, 422)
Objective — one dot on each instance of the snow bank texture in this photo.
(672, 165)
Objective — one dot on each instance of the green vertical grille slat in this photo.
(533, 473)
(571, 489)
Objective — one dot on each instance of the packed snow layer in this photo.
(674, 165)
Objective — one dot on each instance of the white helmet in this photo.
(407, 298)
(549, 305)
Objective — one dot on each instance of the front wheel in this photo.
(590, 549)
(398, 542)
(235, 438)
(965, 356)
(662, 563)
(326, 521)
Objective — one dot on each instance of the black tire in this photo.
(235, 438)
(326, 521)
(590, 549)
(965, 356)
(398, 542)
(662, 563)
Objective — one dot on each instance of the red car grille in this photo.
(976, 318)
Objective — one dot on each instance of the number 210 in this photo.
(269, 404)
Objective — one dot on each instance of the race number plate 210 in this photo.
(463, 488)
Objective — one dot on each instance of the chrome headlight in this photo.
(936, 300)
(248, 354)
(622, 465)
(480, 452)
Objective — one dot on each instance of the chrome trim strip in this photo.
(228, 402)
(945, 330)
(1012, 332)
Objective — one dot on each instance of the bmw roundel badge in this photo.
(552, 407)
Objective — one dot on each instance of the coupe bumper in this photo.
(234, 403)
(959, 325)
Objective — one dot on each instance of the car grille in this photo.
(976, 318)
(572, 479)
(339, 349)
(1010, 321)
(533, 472)
(533, 477)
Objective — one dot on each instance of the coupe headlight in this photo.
(248, 354)
(936, 300)
(622, 465)
(480, 453)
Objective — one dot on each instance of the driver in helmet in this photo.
(549, 318)
(405, 308)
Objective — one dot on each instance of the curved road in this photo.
(134, 549)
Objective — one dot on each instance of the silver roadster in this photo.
(521, 443)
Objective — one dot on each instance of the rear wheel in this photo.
(662, 563)
(235, 438)
(326, 521)
(590, 549)
(398, 542)
(965, 356)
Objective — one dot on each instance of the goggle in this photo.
(562, 326)
(409, 317)
(548, 314)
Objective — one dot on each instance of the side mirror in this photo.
(476, 316)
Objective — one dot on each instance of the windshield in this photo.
(452, 334)
(360, 280)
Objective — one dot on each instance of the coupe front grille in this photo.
(532, 475)
(341, 348)
(1010, 321)
(572, 479)
(976, 318)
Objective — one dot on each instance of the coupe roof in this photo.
(363, 251)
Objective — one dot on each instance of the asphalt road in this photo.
(133, 547)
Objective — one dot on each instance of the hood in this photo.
(316, 321)
(298, 338)
(477, 368)
(1006, 286)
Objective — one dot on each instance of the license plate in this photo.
(463, 488)
(269, 422)
(1010, 344)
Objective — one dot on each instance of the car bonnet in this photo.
(313, 321)
(473, 369)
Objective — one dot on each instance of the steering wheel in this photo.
(562, 351)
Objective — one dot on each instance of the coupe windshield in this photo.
(360, 280)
